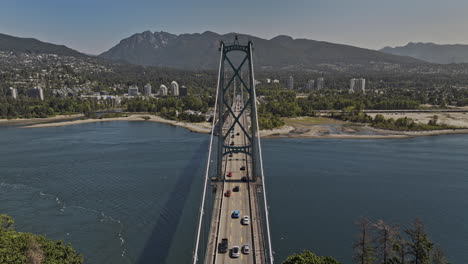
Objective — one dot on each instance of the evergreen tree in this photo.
(364, 250)
(420, 246)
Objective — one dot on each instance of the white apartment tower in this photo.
(147, 90)
(163, 90)
(358, 85)
(133, 90)
(174, 88)
(320, 83)
(291, 83)
(13, 92)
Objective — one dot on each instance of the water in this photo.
(127, 192)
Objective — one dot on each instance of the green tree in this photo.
(363, 248)
(438, 257)
(307, 257)
(420, 246)
(385, 239)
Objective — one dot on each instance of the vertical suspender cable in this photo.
(200, 220)
(261, 162)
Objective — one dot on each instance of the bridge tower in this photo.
(230, 73)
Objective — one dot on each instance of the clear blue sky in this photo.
(93, 26)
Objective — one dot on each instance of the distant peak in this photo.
(282, 38)
(210, 33)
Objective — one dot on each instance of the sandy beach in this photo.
(195, 127)
(300, 127)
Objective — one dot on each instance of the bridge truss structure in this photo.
(235, 111)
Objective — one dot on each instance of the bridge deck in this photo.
(245, 201)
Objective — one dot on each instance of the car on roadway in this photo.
(232, 143)
(227, 193)
(236, 188)
(235, 214)
(230, 155)
(244, 179)
(245, 220)
(229, 174)
(238, 133)
(235, 252)
(246, 249)
(242, 168)
(232, 136)
(223, 246)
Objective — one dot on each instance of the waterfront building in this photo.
(291, 83)
(163, 90)
(310, 85)
(183, 91)
(36, 92)
(147, 90)
(320, 83)
(174, 88)
(358, 85)
(13, 92)
(133, 90)
(275, 81)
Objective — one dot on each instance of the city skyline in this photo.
(93, 28)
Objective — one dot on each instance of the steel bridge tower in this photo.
(235, 122)
(227, 90)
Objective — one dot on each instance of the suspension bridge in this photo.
(233, 225)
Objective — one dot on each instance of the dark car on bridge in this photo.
(242, 168)
(236, 189)
(244, 179)
(223, 246)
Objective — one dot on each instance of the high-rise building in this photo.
(36, 92)
(163, 90)
(13, 92)
(147, 90)
(174, 88)
(320, 83)
(291, 83)
(133, 90)
(310, 85)
(183, 91)
(357, 85)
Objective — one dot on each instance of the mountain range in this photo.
(431, 52)
(200, 51)
(31, 45)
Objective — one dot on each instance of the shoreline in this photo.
(313, 131)
(204, 127)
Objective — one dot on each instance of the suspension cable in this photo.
(200, 220)
(261, 162)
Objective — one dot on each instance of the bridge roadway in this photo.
(223, 225)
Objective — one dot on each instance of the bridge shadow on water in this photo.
(157, 247)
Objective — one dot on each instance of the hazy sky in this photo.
(93, 26)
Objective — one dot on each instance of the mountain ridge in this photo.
(432, 52)
(200, 51)
(32, 45)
